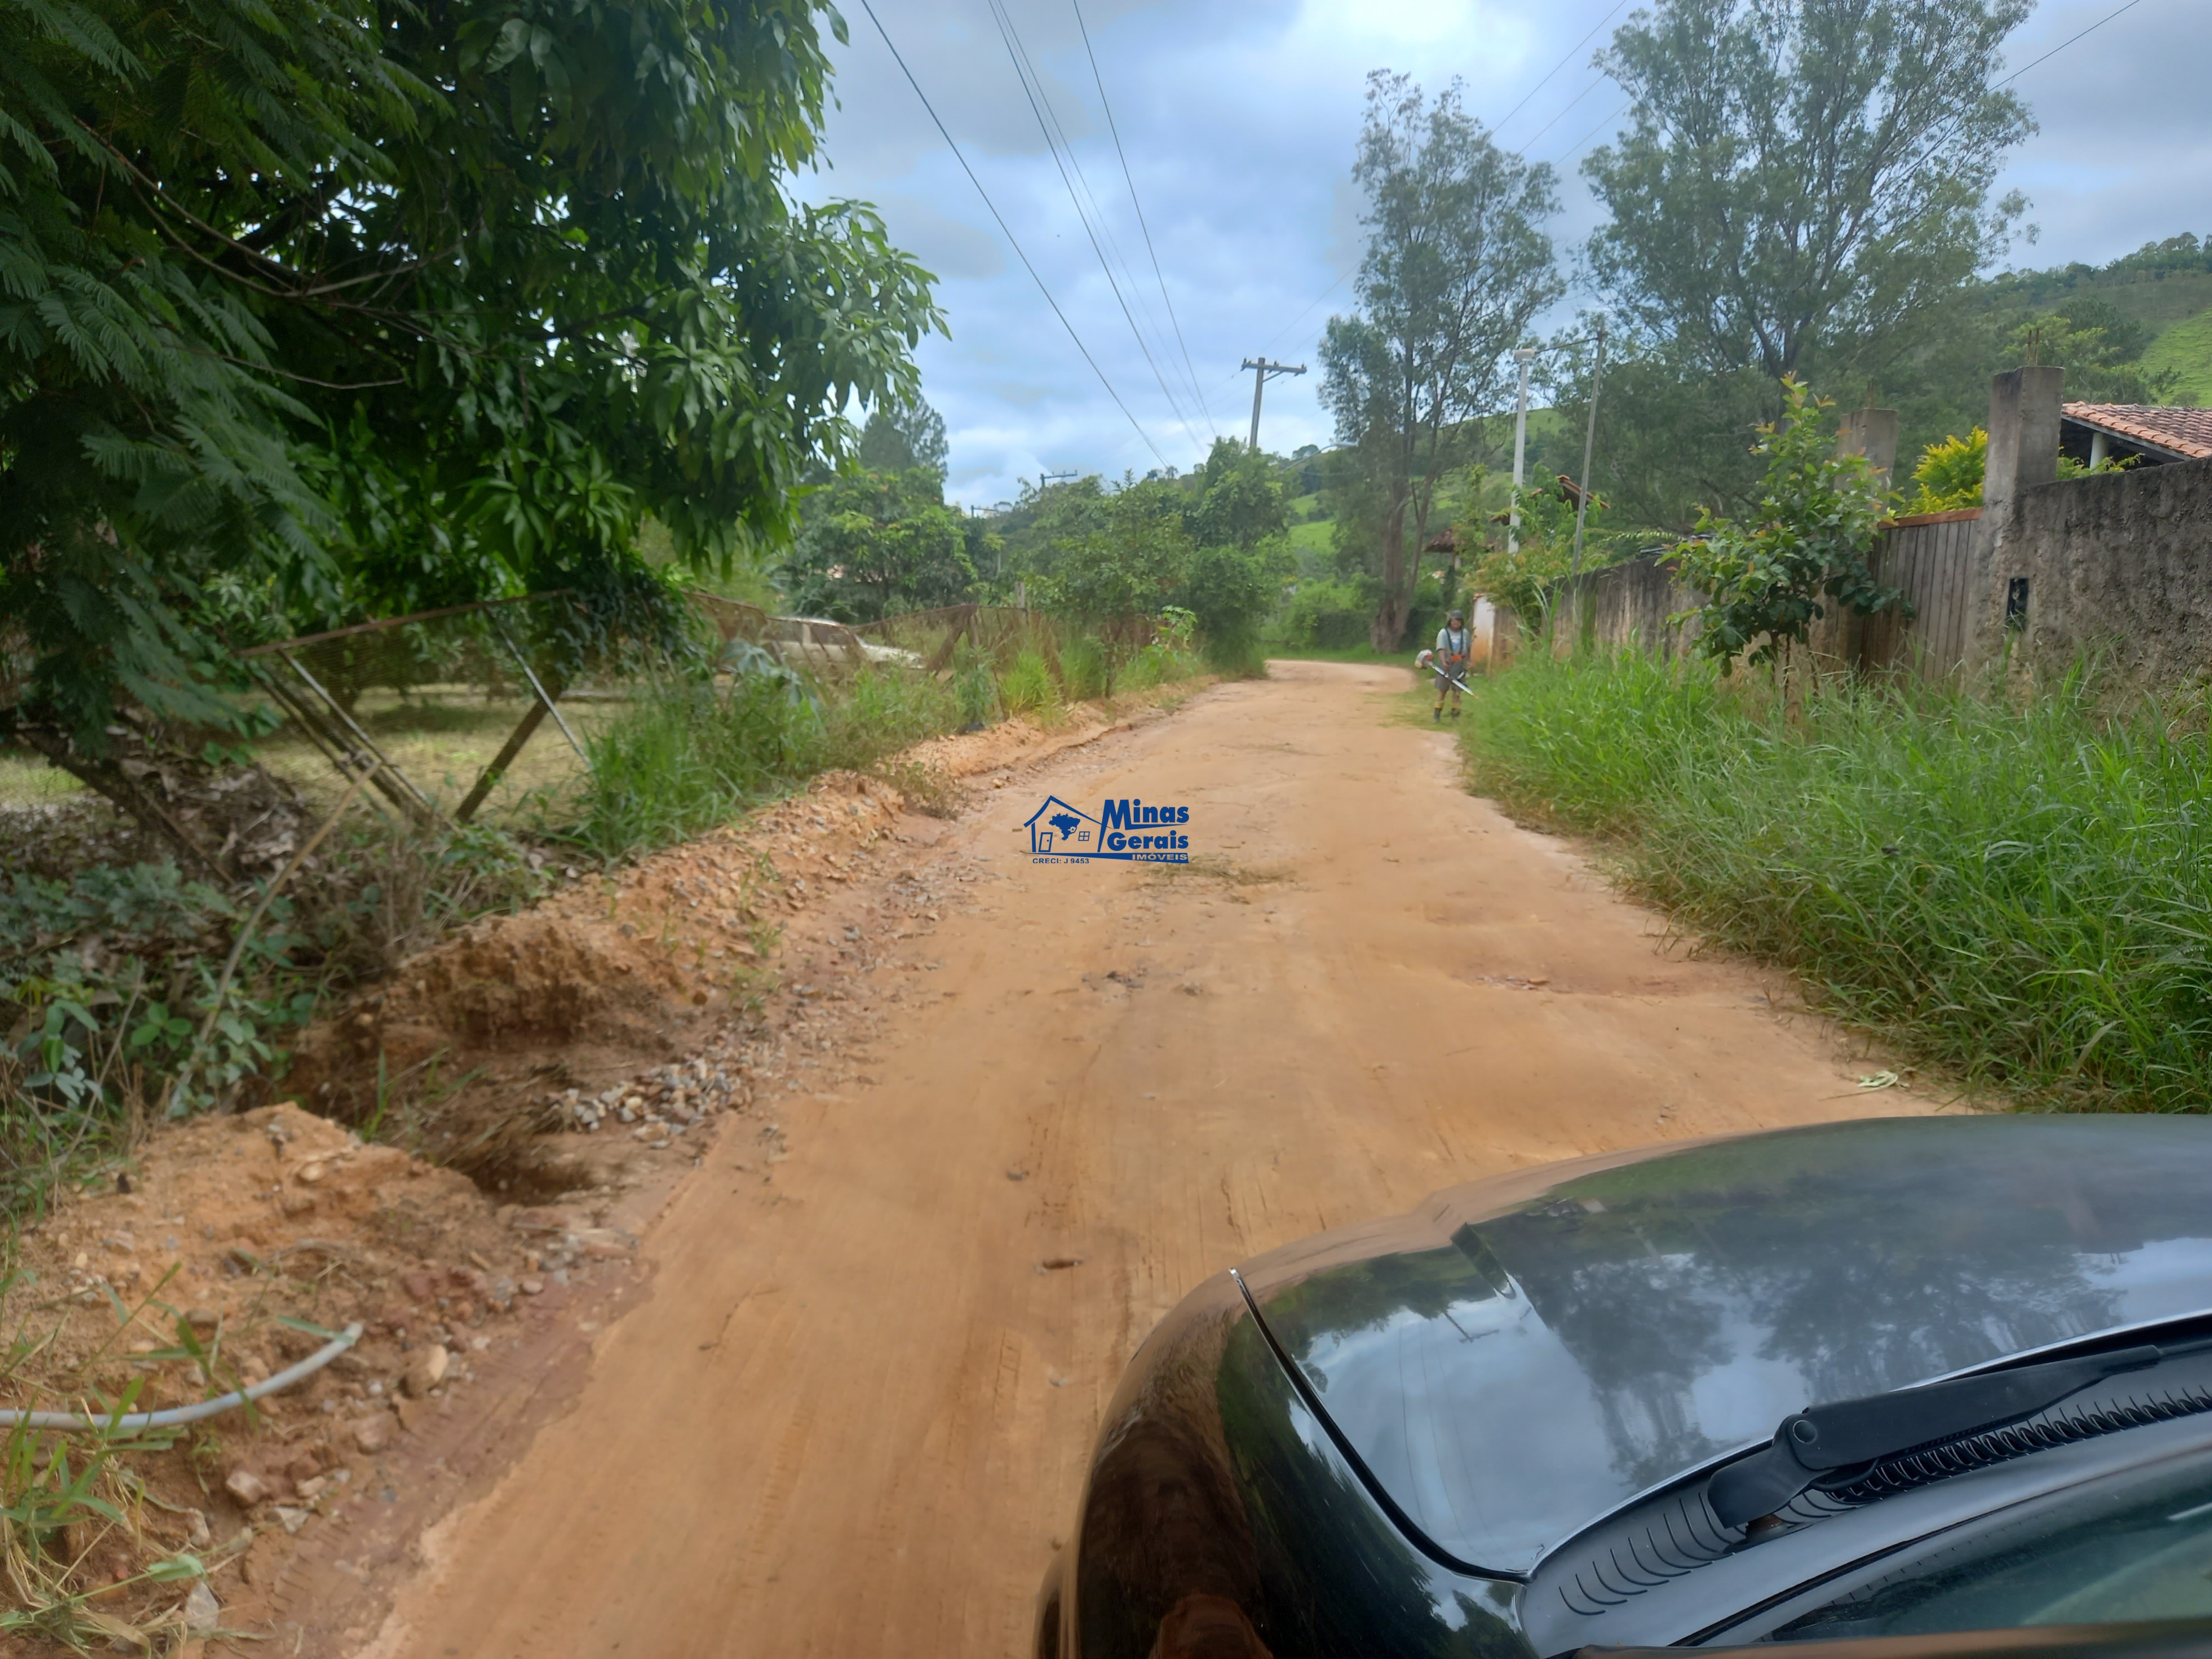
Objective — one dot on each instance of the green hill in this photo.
(2184, 349)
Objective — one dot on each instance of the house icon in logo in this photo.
(1056, 827)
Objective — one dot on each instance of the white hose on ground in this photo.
(176, 1414)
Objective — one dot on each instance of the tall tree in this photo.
(1241, 502)
(876, 544)
(358, 304)
(1114, 557)
(1804, 189)
(1457, 267)
(903, 435)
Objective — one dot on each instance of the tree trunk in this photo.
(1388, 631)
(108, 777)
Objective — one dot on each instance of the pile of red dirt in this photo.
(458, 1053)
(196, 1273)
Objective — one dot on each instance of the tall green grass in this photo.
(687, 753)
(2021, 895)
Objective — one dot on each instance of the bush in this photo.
(2017, 893)
(684, 755)
(1027, 687)
(974, 688)
(112, 997)
(1950, 473)
(881, 711)
(1328, 615)
(1230, 591)
(1083, 668)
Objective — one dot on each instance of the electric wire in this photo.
(1005, 230)
(1593, 132)
(1094, 222)
(1560, 115)
(1114, 128)
(1951, 127)
(1024, 73)
(2062, 45)
(1557, 67)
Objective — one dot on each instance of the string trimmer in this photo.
(1428, 659)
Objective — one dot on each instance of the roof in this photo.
(2185, 434)
(1051, 802)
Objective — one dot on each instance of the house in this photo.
(2150, 433)
(1068, 830)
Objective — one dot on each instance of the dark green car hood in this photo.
(1520, 1356)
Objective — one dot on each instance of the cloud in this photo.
(953, 248)
(1237, 123)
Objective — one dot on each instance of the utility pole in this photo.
(1524, 357)
(1589, 441)
(1262, 371)
(1046, 480)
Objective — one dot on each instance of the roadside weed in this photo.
(2020, 894)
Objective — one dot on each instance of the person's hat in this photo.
(1458, 615)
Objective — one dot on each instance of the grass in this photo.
(2186, 348)
(2019, 894)
(1282, 651)
(686, 754)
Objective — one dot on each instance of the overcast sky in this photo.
(1238, 120)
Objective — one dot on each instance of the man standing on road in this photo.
(1452, 658)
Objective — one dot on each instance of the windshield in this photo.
(2136, 1545)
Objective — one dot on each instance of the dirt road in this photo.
(853, 1414)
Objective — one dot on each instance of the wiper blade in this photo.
(1818, 1442)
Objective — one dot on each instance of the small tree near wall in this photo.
(1817, 517)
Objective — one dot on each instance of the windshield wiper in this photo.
(1817, 1442)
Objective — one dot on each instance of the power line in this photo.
(1594, 131)
(1951, 126)
(2062, 45)
(1024, 73)
(959, 156)
(1561, 65)
(1522, 151)
(1188, 368)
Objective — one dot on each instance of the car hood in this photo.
(1518, 1357)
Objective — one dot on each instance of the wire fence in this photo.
(485, 713)
(997, 634)
(479, 712)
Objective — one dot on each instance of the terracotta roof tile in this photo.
(2184, 431)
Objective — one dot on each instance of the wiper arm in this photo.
(1823, 1439)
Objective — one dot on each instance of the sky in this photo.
(1237, 123)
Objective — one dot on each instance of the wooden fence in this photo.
(1930, 556)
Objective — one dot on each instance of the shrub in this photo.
(1808, 540)
(2017, 893)
(1027, 687)
(1950, 473)
(1328, 615)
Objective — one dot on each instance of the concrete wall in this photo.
(2119, 564)
(1624, 604)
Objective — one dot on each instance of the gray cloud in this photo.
(1238, 122)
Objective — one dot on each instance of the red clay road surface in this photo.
(852, 1415)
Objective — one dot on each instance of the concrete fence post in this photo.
(1834, 641)
(2024, 409)
(1871, 433)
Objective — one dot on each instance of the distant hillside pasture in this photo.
(2186, 351)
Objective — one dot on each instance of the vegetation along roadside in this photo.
(2019, 894)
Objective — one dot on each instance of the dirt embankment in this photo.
(575, 1059)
